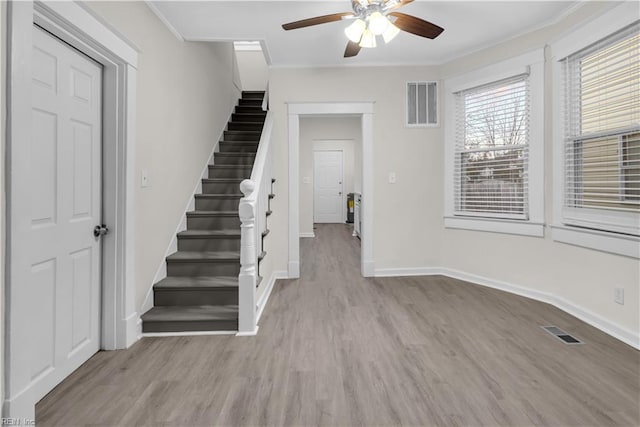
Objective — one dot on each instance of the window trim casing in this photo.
(406, 105)
(533, 63)
(565, 229)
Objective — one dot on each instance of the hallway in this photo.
(335, 348)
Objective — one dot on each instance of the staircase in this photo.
(200, 292)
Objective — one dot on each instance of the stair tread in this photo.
(219, 195)
(223, 179)
(234, 153)
(203, 256)
(212, 213)
(231, 166)
(247, 142)
(182, 282)
(208, 233)
(191, 313)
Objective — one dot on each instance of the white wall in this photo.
(414, 154)
(409, 232)
(185, 95)
(323, 133)
(253, 69)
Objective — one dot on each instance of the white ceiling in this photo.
(469, 26)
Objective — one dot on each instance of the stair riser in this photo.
(246, 109)
(213, 223)
(235, 160)
(248, 94)
(186, 297)
(227, 268)
(250, 102)
(235, 147)
(220, 187)
(208, 244)
(239, 118)
(217, 204)
(229, 173)
(244, 126)
(241, 136)
(222, 325)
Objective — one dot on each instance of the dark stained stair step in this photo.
(221, 185)
(213, 220)
(251, 94)
(248, 117)
(215, 202)
(245, 126)
(219, 263)
(238, 146)
(197, 290)
(230, 171)
(234, 158)
(250, 109)
(242, 135)
(209, 240)
(191, 318)
(251, 102)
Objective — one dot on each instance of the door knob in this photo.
(340, 193)
(100, 230)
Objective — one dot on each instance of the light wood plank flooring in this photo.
(337, 349)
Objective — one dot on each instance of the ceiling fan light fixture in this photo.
(391, 32)
(368, 39)
(378, 23)
(355, 30)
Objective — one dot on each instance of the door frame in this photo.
(78, 26)
(364, 110)
(343, 214)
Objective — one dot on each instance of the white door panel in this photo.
(63, 198)
(327, 187)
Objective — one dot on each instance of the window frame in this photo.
(406, 104)
(533, 64)
(589, 228)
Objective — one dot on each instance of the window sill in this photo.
(603, 241)
(495, 225)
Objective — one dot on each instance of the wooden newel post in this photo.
(248, 261)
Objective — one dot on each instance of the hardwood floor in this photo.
(337, 349)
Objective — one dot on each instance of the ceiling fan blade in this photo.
(352, 49)
(316, 21)
(398, 5)
(416, 26)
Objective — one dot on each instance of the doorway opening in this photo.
(313, 129)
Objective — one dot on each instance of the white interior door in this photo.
(327, 187)
(62, 199)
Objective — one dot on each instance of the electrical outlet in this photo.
(392, 177)
(618, 296)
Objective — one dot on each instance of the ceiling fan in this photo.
(373, 18)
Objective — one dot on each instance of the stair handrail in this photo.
(252, 211)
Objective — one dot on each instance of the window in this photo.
(422, 104)
(602, 134)
(494, 156)
(492, 146)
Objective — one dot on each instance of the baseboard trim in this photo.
(188, 334)
(21, 406)
(262, 302)
(307, 234)
(293, 270)
(134, 326)
(598, 322)
(398, 272)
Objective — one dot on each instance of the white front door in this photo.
(327, 187)
(59, 255)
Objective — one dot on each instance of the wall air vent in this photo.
(561, 335)
(422, 104)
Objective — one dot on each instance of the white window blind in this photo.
(602, 132)
(422, 103)
(492, 150)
